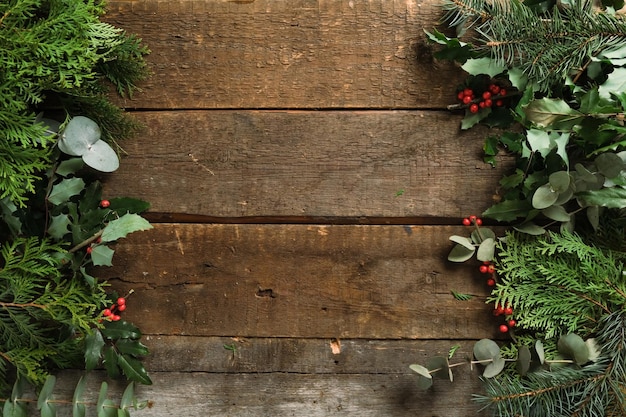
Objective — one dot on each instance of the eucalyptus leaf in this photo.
(78, 406)
(523, 360)
(478, 235)
(486, 349)
(530, 228)
(574, 346)
(101, 156)
(539, 350)
(593, 215)
(609, 164)
(460, 253)
(425, 379)
(544, 197)
(79, 134)
(486, 250)
(45, 394)
(494, 368)
(559, 181)
(438, 367)
(557, 213)
(462, 240)
(128, 397)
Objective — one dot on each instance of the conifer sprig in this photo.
(558, 283)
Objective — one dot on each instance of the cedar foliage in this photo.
(56, 53)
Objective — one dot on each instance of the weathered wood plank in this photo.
(300, 163)
(202, 394)
(389, 282)
(288, 54)
(303, 356)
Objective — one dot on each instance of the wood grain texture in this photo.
(389, 282)
(301, 163)
(201, 394)
(296, 355)
(288, 53)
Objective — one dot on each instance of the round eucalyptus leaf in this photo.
(486, 250)
(461, 240)
(523, 360)
(52, 126)
(565, 196)
(494, 368)
(460, 253)
(530, 228)
(80, 133)
(544, 197)
(559, 181)
(541, 355)
(486, 349)
(102, 157)
(593, 215)
(557, 213)
(438, 367)
(609, 164)
(574, 346)
(583, 173)
(479, 235)
(424, 380)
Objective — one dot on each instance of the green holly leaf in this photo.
(119, 228)
(615, 83)
(133, 369)
(110, 362)
(66, 189)
(483, 66)
(69, 166)
(131, 347)
(123, 205)
(547, 112)
(59, 226)
(453, 50)
(121, 329)
(102, 255)
(94, 342)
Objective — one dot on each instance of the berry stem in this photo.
(87, 241)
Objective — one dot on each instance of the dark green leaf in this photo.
(557, 213)
(120, 330)
(544, 197)
(110, 362)
(614, 197)
(508, 210)
(523, 360)
(461, 296)
(122, 205)
(131, 347)
(94, 342)
(547, 112)
(609, 164)
(133, 369)
(66, 189)
(513, 180)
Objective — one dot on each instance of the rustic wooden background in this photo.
(304, 177)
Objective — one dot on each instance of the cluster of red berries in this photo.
(468, 221)
(488, 268)
(488, 98)
(507, 312)
(113, 313)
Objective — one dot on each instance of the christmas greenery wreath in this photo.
(58, 127)
(550, 77)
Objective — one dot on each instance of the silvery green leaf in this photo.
(80, 133)
(101, 156)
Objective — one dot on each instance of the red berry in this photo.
(502, 92)
(491, 269)
(89, 249)
(460, 95)
(472, 218)
(498, 311)
(512, 323)
(121, 301)
(491, 282)
(495, 89)
(121, 308)
(508, 311)
(467, 99)
(468, 92)
(105, 203)
(474, 108)
(486, 95)
(499, 103)
(488, 103)
(478, 222)
(483, 269)
(504, 328)
(115, 317)
(466, 222)
(107, 312)
(481, 104)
